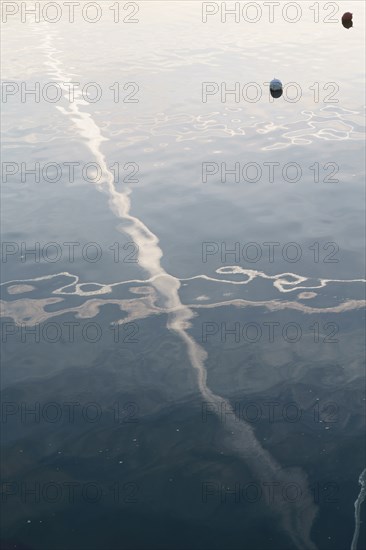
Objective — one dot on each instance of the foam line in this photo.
(358, 503)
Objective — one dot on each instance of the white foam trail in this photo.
(358, 503)
(280, 283)
(297, 517)
(31, 311)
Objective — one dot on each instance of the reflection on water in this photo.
(173, 449)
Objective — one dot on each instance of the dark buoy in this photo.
(275, 88)
(347, 20)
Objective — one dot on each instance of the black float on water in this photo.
(347, 20)
(275, 88)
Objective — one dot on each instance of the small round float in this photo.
(276, 88)
(347, 20)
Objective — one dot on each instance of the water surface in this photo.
(192, 397)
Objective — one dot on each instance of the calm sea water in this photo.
(183, 360)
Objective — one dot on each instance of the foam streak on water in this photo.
(358, 503)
